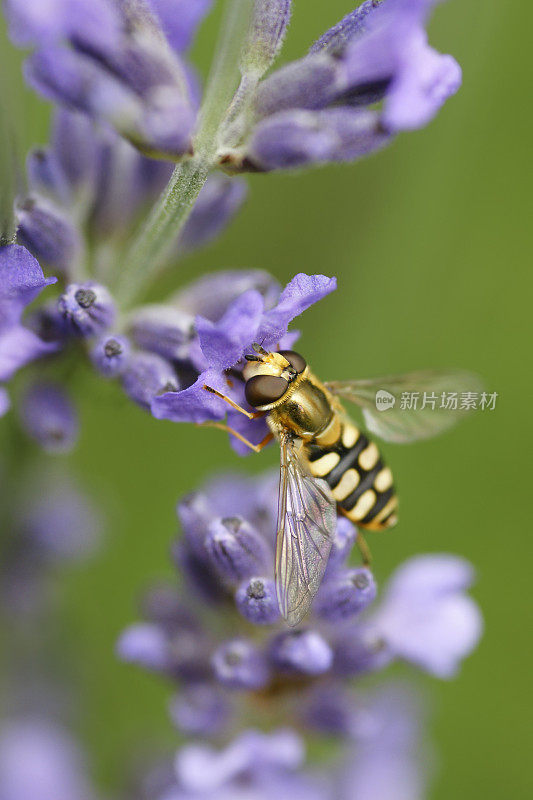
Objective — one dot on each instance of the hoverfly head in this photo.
(269, 375)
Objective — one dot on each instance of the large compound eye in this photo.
(261, 390)
(296, 361)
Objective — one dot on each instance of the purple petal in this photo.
(421, 88)
(194, 404)
(395, 49)
(426, 617)
(18, 347)
(21, 280)
(302, 291)
(254, 430)
(223, 343)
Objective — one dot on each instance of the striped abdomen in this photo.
(356, 474)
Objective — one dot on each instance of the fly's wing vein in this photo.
(307, 518)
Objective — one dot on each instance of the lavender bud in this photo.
(48, 322)
(240, 665)
(199, 710)
(49, 417)
(234, 549)
(47, 234)
(305, 652)
(198, 573)
(45, 175)
(110, 355)
(310, 83)
(144, 644)
(88, 308)
(360, 650)
(268, 25)
(257, 602)
(146, 376)
(329, 710)
(162, 330)
(347, 593)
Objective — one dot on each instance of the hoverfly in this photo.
(328, 465)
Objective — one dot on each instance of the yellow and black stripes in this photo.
(357, 476)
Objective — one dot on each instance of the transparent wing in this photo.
(417, 405)
(307, 519)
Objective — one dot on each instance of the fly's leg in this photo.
(222, 427)
(364, 550)
(233, 404)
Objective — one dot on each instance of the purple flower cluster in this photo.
(86, 193)
(323, 107)
(226, 555)
(123, 63)
(119, 62)
(90, 188)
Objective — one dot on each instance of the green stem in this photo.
(153, 245)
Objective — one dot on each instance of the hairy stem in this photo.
(153, 245)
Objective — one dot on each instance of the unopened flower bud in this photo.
(110, 355)
(48, 416)
(146, 376)
(257, 602)
(240, 665)
(268, 25)
(235, 549)
(146, 645)
(347, 593)
(47, 233)
(88, 308)
(304, 652)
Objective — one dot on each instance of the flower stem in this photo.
(153, 245)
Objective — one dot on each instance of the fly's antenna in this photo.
(259, 349)
(252, 358)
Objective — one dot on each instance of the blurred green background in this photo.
(431, 244)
